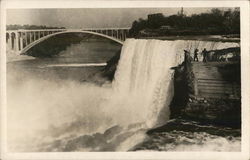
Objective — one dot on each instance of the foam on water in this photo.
(187, 141)
(78, 65)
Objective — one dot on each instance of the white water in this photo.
(77, 65)
(144, 78)
(57, 116)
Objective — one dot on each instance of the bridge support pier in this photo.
(30, 34)
(8, 41)
(21, 41)
(26, 38)
(16, 42)
(34, 36)
(9, 44)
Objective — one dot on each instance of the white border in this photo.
(245, 65)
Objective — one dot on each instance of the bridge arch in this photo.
(26, 48)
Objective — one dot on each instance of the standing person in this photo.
(204, 52)
(187, 55)
(196, 55)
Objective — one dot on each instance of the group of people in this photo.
(204, 54)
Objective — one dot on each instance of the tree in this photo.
(214, 22)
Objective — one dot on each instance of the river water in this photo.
(51, 107)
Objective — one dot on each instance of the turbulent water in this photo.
(63, 115)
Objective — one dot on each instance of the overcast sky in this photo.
(84, 18)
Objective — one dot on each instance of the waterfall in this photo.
(144, 77)
(87, 117)
(144, 73)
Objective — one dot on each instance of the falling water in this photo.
(144, 74)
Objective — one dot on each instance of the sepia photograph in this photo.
(141, 79)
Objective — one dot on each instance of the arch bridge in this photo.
(20, 41)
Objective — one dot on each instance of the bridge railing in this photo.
(120, 34)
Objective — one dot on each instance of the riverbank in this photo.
(13, 57)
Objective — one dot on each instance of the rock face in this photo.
(180, 92)
(214, 110)
(106, 74)
(109, 70)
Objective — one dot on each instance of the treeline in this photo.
(214, 22)
(26, 26)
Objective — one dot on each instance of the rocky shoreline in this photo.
(186, 135)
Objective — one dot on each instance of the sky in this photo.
(89, 17)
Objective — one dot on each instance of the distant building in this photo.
(166, 27)
(155, 16)
(181, 12)
(155, 20)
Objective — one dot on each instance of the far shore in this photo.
(11, 57)
(221, 38)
